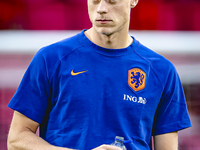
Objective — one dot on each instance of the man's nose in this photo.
(102, 8)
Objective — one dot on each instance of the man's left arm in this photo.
(168, 141)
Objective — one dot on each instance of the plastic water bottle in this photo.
(119, 142)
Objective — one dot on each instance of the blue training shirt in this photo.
(84, 95)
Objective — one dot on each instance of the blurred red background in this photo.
(72, 15)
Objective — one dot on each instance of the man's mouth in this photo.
(103, 21)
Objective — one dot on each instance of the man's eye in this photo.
(109, 1)
(96, 1)
(112, 1)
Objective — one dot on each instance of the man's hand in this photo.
(107, 147)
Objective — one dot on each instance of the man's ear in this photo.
(134, 3)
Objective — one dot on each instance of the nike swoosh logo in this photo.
(76, 73)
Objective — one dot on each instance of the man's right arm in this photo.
(22, 136)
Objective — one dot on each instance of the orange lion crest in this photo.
(136, 79)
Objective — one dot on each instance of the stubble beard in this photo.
(109, 31)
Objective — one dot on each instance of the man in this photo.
(87, 89)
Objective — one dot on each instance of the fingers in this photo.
(107, 147)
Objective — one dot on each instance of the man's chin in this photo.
(106, 32)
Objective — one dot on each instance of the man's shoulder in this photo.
(152, 56)
(159, 63)
(63, 47)
(54, 53)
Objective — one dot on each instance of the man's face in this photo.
(109, 16)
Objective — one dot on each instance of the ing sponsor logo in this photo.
(140, 100)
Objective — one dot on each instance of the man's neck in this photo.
(114, 41)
